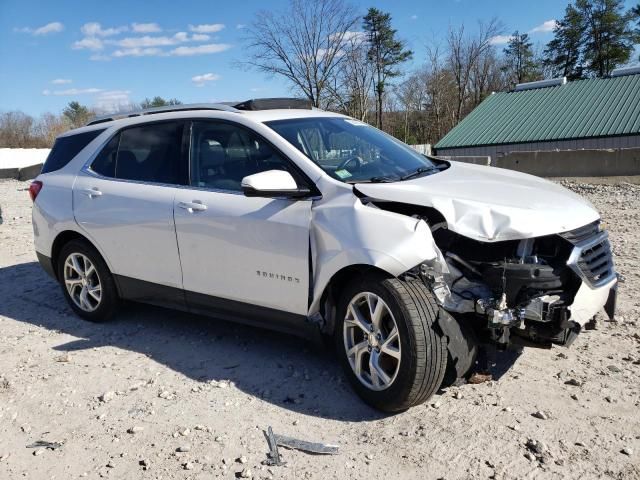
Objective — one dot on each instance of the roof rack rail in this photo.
(165, 109)
(274, 104)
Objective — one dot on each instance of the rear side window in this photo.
(148, 153)
(66, 148)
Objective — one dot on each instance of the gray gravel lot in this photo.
(161, 395)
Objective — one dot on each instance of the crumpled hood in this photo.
(489, 203)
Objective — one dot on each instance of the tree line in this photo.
(357, 63)
(20, 130)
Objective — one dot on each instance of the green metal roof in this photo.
(579, 109)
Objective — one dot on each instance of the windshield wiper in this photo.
(419, 171)
(373, 180)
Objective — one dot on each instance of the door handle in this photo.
(92, 192)
(195, 206)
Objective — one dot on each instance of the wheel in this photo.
(388, 346)
(86, 282)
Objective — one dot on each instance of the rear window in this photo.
(66, 148)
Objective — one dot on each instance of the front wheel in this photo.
(390, 347)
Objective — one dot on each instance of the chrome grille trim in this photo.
(592, 261)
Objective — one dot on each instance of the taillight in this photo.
(34, 189)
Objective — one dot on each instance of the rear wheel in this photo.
(390, 348)
(86, 281)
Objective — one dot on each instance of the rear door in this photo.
(240, 253)
(124, 203)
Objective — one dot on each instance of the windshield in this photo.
(352, 151)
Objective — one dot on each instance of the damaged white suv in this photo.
(271, 213)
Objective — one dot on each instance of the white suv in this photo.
(272, 213)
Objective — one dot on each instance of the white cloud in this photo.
(414, 17)
(199, 50)
(61, 81)
(138, 52)
(350, 36)
(240, 26)
(113, 100)
(500, 39)
(72, 91)
(206, 28)
(201, 80)
(545, 27)
(145, 27)
(94, 29)
(89, 43)
(53, 27)
(163, 41)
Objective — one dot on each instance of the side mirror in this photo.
(271, 184)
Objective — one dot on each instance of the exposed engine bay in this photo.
(515, 291)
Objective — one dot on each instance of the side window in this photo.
(66, 148)
(223, 154)
(105, 162)
(151, 153)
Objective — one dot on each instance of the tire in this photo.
(95, 310)
(422, 348)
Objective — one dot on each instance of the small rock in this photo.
(184, 432)
(110, 464)
(530, 456)
(135, 429)
(183, 448)
(580, 444)
(242, 459)
(38, 451)
(436, 405)
(627, 451)
(246, 473)
(574, 396)
(188, 466)
(536, 446)
(369, 456)
(25, 428)
(458, 395)
(573, 382)
(64, 358)
(608, 399)
(107, 396)
(144, 463)
(614, 368)
(541, 415)
(295, 422)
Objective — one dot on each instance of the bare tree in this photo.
(16, 130)
(464, 52)
(352, 87)
(304, 44)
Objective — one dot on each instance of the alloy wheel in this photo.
(82, 282)
(371, 341)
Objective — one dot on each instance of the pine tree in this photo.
(520, 60)
(593, 38)
(563, 55)
(77, 114)
(386, 52)
(608, 35)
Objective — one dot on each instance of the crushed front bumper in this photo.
(589, 301)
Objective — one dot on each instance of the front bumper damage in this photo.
(526, 300)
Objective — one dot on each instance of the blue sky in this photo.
(109, 51)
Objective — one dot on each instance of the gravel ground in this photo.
(160, 394)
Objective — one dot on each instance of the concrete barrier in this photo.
(567, 163)
(21, 173)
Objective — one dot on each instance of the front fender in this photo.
(345, 232)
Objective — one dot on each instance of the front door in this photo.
(241, 255)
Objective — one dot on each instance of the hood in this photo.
(489, 203)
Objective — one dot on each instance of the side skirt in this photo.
(216, 307)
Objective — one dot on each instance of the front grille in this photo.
(591, 257)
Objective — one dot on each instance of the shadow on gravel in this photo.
(280, 369)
